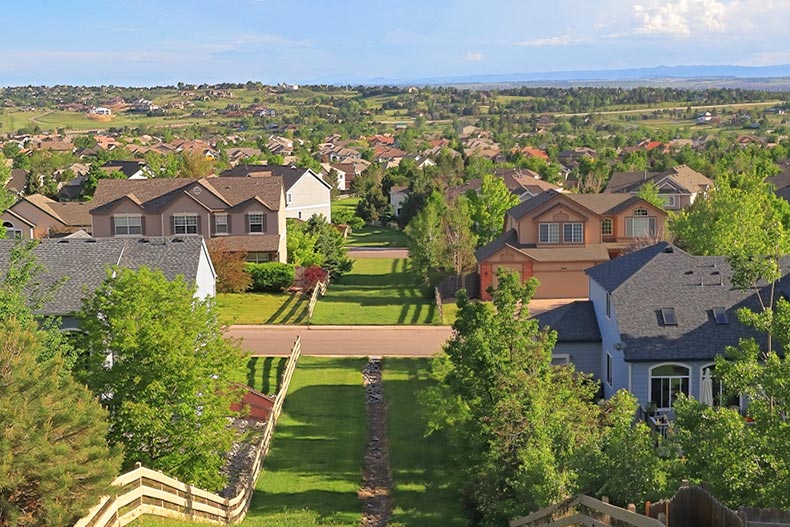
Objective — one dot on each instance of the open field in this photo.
(262, 308)
(378, 291)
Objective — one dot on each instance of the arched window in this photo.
(666, 382)
(607, 227)
(640, 212)
(11, 232)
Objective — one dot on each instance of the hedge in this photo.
(270, 276)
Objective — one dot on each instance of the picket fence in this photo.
(145, 491)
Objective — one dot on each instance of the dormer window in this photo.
(607, 227)
(572, 233)
(549, 233)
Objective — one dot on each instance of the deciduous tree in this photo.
(488, 207)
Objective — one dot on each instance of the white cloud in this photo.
(473, 57)
(682, 18)
(562, 40)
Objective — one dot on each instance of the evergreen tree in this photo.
(54, 461)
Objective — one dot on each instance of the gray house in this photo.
(661, 316)
(83, 264)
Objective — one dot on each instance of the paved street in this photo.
(390, 341)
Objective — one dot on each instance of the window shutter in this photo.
(112, 225)
(629, 228)
(199, 221)
(230, 229)
(247, 223)
(142, 225)
(263, 227)
(172, 225)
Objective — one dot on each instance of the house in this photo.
(36, 216)
(398, 195)
(306, 193)
(780, 181)
(246, 214)
(82, 265)
(661, 317)
(571, 158)
(17, 181)
(100, 110)
(522, 182)
(344, 174)
(555, 237)
(679, 186)
(130, 169)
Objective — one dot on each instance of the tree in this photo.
(6, 197)
(232, 277)
(95, 173)
(649, 192)
(171, 375)
(460, 241)
(330, 245)
(54, 461)
(302, 244)
(195, 165)
(488, 207)
(426, 237)
(512, 420)
(374, 205)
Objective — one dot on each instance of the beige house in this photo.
(36, 216)
(679, 186)
(234, 214)
(555, 237)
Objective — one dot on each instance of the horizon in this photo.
(142, 43)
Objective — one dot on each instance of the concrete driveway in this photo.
(346, 341)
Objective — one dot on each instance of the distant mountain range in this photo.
(766, 77)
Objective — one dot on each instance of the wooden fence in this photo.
(692, 506)
(584, 510)
(145, 491)
(319, 289)
(764, 517)
(437, 298)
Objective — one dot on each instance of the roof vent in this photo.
(143, 240)
(688, 272)
(177, 239)
(63, 240)
(669, 249)
(91, 240)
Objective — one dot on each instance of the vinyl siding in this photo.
(310, 197)
(610, 335)
(585, 356)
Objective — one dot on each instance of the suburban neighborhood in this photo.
(371, 291)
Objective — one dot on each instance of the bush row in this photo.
(270, 276)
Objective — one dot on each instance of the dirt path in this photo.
(376, 488)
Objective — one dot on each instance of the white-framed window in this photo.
(11, 232)
(259, 257)
(607, 227)
(667, 381)
(220, 224)
(256, 222)
(185, 224)
(128, 225)
(640, 225)
(608, 305)
(670, 201)
(560, 359)
(549, 233)
(288, 198)
(609, 369)
(572, 233)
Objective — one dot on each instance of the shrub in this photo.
(311, 276)
(232, 275)
(349, 218)
(270, 276)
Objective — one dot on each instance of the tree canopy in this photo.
(488, 207)
(170, 377)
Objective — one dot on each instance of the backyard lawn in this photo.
(378, 291)
(374, 236)
(262, 308)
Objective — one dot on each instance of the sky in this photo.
(158, 42)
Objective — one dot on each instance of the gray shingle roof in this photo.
(290, 173)
(573, 322)
(84, 263)
(646, 281)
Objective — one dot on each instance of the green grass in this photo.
(377, 291)
(344, 204)
(264, 373)
(314, 468)
(262, 308)
(373, 236)
(449, 313)
(422, 495)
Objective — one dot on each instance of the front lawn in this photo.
(422, 495)
(373, 236)
(264, 373)
(378, 291)
(262, 308)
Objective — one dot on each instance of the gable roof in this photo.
(591, 252)
(83, 263)
(72, 214)
(683, 177)
(573, 322)
(290, 174)
(600, 204)
(661, 276)
(127, 168)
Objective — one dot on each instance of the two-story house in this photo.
(555, 237)
(37, 216)
(306, 193)
(679, 186)
(655, 321)
(246, 214)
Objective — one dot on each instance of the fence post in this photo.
(605, 518)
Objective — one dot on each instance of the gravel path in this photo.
(377, 474)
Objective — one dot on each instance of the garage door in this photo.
(561, 284)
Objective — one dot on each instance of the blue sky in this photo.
(145, 42)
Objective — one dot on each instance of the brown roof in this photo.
(71, 214)
(599, 203)
(265, 243)
(684, 177)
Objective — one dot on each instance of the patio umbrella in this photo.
(706, 389)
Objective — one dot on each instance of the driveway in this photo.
(347, 341)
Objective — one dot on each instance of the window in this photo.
(640, 227)
(10, 232)
(640, 212)
(607, 227)
(720, 316)
(259, 257)
(128, 225)
(572, 232)
(288, 198)
(299, 215)
(185, 224)
(668, 316)
(670, 201)
(608, 305)
(549, 233)
(256, 222)
(609, 369)
(221, 224)
(560, 359)
(666, 383)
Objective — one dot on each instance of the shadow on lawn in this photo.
(281, 309)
